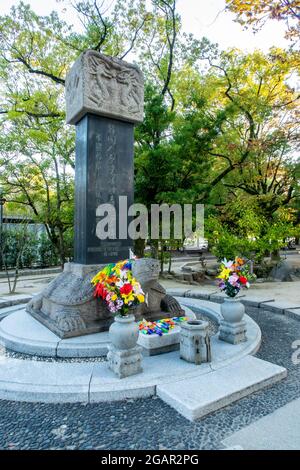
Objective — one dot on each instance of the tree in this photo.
(250, 114)
(257, 12)
(20, 240)
(242, 120)
(36, 52)
(37, 170)
(219, 127)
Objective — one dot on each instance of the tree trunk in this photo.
(275, 255)
(154, 249)
(161, 260)
(170, 263)
(139, 247)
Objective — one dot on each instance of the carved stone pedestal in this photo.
(233, 333)
(67, 305)
(68, 308)
(125, 362)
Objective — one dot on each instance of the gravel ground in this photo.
(150, 423)
(4, 352)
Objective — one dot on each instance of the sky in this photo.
(200, 17)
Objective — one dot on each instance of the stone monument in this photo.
(104, 98)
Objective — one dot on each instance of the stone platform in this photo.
(22, 333)
(55, 381)
(192, 390)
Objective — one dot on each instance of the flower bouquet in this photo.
(233, 276)
(118, 288)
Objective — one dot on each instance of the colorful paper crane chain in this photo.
(160, 327)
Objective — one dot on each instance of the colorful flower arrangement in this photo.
(233, 276)
(160, 327)
(118, 288)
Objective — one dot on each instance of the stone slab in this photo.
(211, 309)
(177, 291)
(155, 344)
(251, 302)
(94, 345)
(11, 300)
(277, 431)
(4, 312)
(22, 333)
(272, 307)
(94, 382)
(15, 299)
(292, 313)
(217, 298)
(197, 295)
(28, 380)
(202, 395)
(105, 386)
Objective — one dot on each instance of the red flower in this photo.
(100, 291)
(126, 289)
(243, 280)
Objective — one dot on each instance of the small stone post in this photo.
(233, 333)
(195, 342)
(125, 362)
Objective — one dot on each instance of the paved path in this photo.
(27, 285)
(150, 423)
(286, 292)
(278, 431)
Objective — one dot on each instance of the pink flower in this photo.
(233, 279)
(112, 308)
(227, 264)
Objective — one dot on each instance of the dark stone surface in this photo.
(150, 423)
(104, 171)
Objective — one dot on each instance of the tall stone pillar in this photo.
(104, 99)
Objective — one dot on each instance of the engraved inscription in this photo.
(99, 169)
(112, 162)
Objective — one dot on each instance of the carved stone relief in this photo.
(105, 86)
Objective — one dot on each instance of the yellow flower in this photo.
(141, 298)
(114, 297)
(225, 273)
(128, 298)
(98, 278)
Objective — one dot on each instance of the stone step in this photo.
(199, 396)
(4, 312)
(12, 300)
